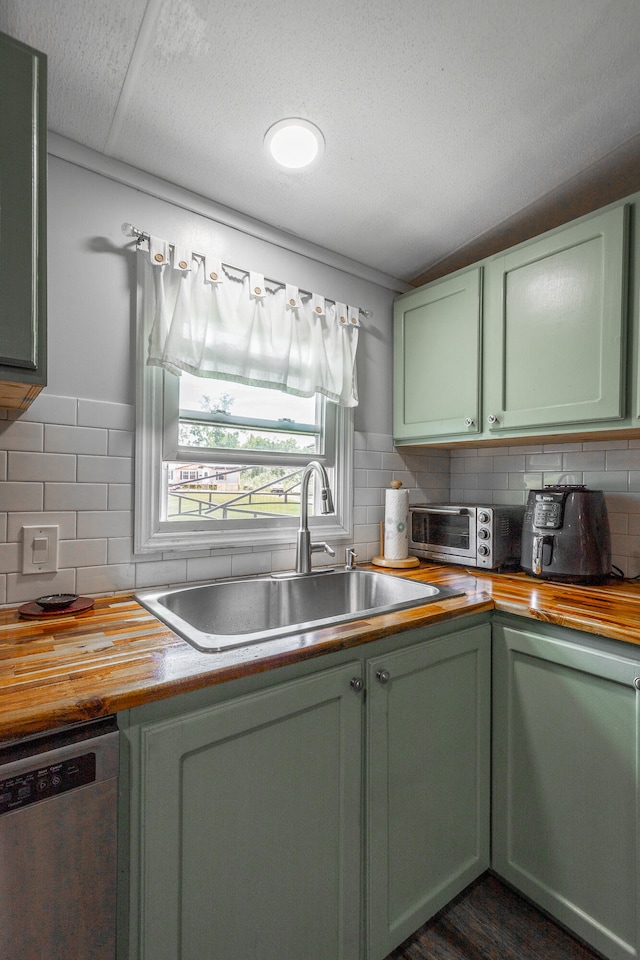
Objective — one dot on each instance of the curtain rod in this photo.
(129, 230)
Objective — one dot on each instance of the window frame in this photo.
(157, 401)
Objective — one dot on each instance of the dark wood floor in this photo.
(489, 921)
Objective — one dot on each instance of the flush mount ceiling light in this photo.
(294, 143)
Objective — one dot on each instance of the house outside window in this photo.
(219, 463)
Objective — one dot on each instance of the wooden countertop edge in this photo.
(118, 656)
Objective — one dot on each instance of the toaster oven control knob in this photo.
(483, 550)
(492, 419)
(469, 422)
(483, 534)
(483, 517)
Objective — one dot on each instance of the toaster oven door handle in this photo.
(456, 511)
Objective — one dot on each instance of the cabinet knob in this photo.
(469, 421)
(383, 676)
(636, 683)
(492, 418)
(358, 684)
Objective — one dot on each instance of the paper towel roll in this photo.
(396, 524)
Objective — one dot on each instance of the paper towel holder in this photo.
(381, 560)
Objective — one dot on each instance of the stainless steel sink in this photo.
(235, 613)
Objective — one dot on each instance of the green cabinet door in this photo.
(436, 357)
(554, 328)
(565, 786)
(428, 781)
(23, 158)
(249, 827)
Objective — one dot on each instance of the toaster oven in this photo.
(476, 535)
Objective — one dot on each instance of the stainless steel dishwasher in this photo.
(58, 818)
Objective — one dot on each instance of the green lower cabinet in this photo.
(566, 779)
(249, 827)
(253, 831)
(428, 780)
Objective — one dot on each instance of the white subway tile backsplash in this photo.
(49, 408)
(22, 588)
(82, 553)
(250, 564)
(379, 441)
(111, 578)
(216, 568)
(62, 439)
(160, 572)
(107, 523)
(380, 478)
(606, 444)
(10, 557)
(120, 496)
(367, 460)
(16, 521)
(70, 463)
(120, 443)
(19, 435)
(609, 480)
(75, 496)
(41, 466)
(98, 413)
(594, 460)
(120, 550)
(21, 496)
(105, 469)
(509, 463)
(543, 461)
(619, 523)
(623, 459)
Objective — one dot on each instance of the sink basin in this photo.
(234, 613)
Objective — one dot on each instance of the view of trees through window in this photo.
(221, 487)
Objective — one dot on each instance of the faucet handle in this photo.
(317, 547)
(350, 558)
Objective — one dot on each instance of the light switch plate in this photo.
(40, 549)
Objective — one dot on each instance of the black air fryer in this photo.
(565, 535)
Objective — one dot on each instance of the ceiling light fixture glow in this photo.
(294, 143)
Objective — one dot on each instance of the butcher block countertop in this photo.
(68, 668)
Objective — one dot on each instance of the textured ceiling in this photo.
(442, 118)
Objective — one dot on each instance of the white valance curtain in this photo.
(212, 320)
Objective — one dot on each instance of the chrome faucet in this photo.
(304, 546)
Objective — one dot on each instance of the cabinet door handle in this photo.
(469, 422)
(492, 418)
(383, 676)
(636, 683)
(358, 684)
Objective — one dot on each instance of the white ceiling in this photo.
(441, 117)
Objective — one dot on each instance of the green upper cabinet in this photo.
(437, 359)
(529, 343)
(555, 328)
(23, 158)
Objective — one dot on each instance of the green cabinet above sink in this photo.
(530, 343)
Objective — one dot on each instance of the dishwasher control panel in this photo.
(40, 783)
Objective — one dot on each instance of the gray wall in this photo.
(69, 459)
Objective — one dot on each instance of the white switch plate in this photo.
(40, 549)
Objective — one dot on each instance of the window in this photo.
(219, 463)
